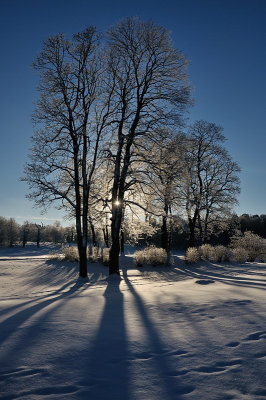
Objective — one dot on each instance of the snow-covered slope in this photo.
(181, 332)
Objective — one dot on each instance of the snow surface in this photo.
(159, 333)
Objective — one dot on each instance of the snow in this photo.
(179, 332)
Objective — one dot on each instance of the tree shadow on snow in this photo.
(251, 275)
(42, 306)
(166, 373)
(106, 368)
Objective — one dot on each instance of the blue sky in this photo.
(224, 41)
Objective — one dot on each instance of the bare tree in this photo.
(25, 233)
(150, 90)
(67, 137)
(210, 183)
(13, 230)
(163, 169)
(90, 102)
(39, 227)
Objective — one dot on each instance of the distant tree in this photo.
(222, 233)
(253, 223)
(39, 227)
(13, 232)
(3, 231)
(263, 225)
(54, 233)
(25, 229)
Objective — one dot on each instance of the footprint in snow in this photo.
(141, 356)
(179, 372)
(256, 336)
(204, 281)
(233, 344)
(220, 366)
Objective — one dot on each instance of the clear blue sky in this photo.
(224, 40)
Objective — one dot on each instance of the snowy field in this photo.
(161, 333)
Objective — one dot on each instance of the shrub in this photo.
(252, 243)
(151, 255)
(206, 252)
(221, 253)
(71, 253)
(192, 255)
(239, 254)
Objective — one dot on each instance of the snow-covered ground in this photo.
(181, 332)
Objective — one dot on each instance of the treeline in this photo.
(254, 223)
(221, 234)
(12, 233)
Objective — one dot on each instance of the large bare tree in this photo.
(150, 90)
(66, 140)
(94, 102)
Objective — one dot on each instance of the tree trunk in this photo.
(38, 237)
(200, 229)
(192, 224)
(106, 236)
(205, 232)
(114, 254)
(83, 261)
(115, 233)
(122, 242)
(164, 233)
(93, 235)
(82, 248)
(25, 237)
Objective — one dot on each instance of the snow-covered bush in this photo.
(221, 253)
(239, 255)
(192, 255)
(150, 255)
(106, 255)
(252, 243)
(206, 252)
(71, 253)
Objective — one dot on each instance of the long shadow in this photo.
(53, 276)
(166, 373)
(11, 324)
(223, 274)
(230, 274)
(107, 367)
(31, 251)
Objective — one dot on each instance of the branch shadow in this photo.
(13, 323)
